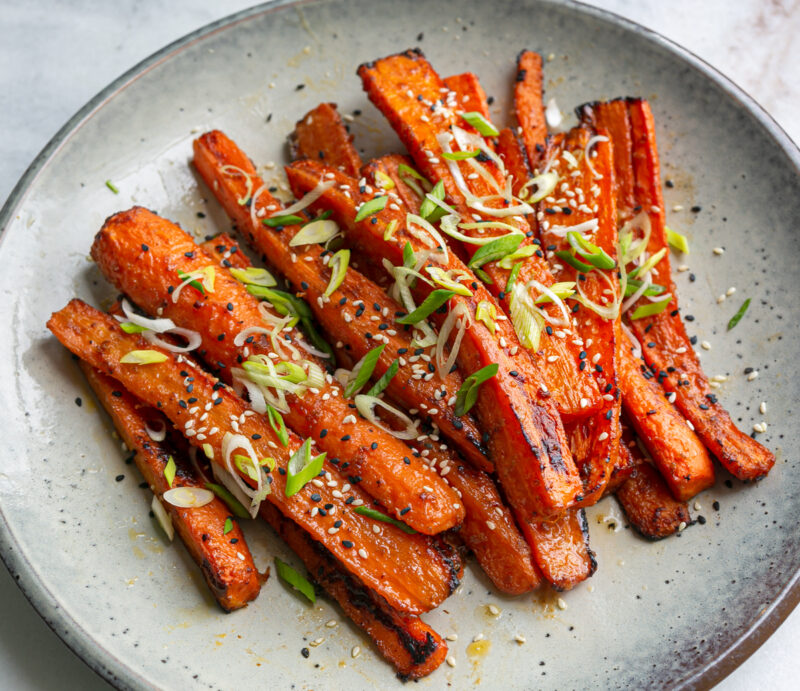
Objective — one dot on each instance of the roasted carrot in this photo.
(424, 131)
(647, 501)
(409, 189)
(338, 314)
(672, 352)
(525, 435)
(321, 134)
(510, 150)
(676, 451)
(412, 646)
(529, 106)
(471, 97)
(561, 548)
(224, 558)
(431, 569)
(149, 278)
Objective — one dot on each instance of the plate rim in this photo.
(102, 660)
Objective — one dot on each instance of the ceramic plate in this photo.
(81, 544)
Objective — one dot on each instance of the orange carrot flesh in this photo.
(471, 97)
(431, 569)
(311, 275)
(387, 82)
(648, 504)
(526, 438)
(224, 558)
(374, 456)
(510, 150)
(389, 165)
(529, 106)
(412, 646)
(672, 352)
(320, 134)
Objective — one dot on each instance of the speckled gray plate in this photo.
(81, 545)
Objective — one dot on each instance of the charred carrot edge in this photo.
(595, 440)
(376, 458)
(561, 548)
(526, 438)
(471, 96)
(648, 504)
(673, 353)
(223, 558)
(432, 569)
(510, 150)
(321, 134)
(412, 646)
(529, 105)
(676, 451)
(214, 152)
(387, 82)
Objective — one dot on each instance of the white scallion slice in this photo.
(248, 181)
(587, 153)
(157, 325)
(446, 279)
(460, 319)
(158, 433)
(308, 199)
(188, 497)
(252, 275)
(193, 340)
(163, 518)
(544, 183)
(366, 406)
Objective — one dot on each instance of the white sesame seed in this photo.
(681, 350)
(333, 531)
(682, 268)
(494, 610)
(552, 358)
(317, 482)
(690, 425)
(331, 623)
(752, 375)
(730, 291)
(682, 526)
(362, 553)
(451, 661)
(720, 299)
(519, 639)
(355, 652)
(452, 637)
(718, 250)
(763, 408)
(477, 637)
(719, 378)
(603, 436)
(705, 345)
(608, 397)
(671, 396)
(561, 603)
(376, 529)
(427, 488)
(677, 207)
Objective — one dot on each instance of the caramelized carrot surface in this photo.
(223, 557)
(412, 646)
(150, 277)
(510, 150)
(410, 190)
(320, 134)
(470, 96)
(431, 569)
(529, 105)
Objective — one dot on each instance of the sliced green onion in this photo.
(480, 123)
(522, 253)
(112, 187)
(574, 262)
(650, 309)
(431, 303)
(364, 369)
(403, 169)
(245, 465)
(390, 228)
(545, 184)
(339, 263)
(278, 425)
(486, 312)
(643, 269)
(561, 290)
(386, 182)
(384, 381)
(143, 357)
(290, 220)
(468, 393)
(316, 232)
(370, 207)
(283, 302)
(634, 284)
(169, 471)
(409, 258)
(253, 276)
(232, 502)
(197, 285)
(131, 328)
(288, 575)
(678, 241)
(486, 278)
(228, 526)
(460, 155)
(494, 250)
(383, 518)
(736, 318)
(593, 254)
(442, 278)
(512, 277)
(302, 468)
(430, 210)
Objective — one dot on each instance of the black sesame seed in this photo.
(323, 433)
(119, 478)
(404, 511)
(347, 544)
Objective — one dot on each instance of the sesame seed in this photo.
(451, 661)
(584, 402)
(561, 603)
(355, 652)
(682, 526)
(491, 525)
(752, 375)
(763, 408)
(730, 291)
(718, 250)
(477, 637)
(705, 345)
(494, 610)
(519, 639)
(362, 553)
(682, 268)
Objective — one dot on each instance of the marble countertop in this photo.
(55, 56)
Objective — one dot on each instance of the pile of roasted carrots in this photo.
(464, 346)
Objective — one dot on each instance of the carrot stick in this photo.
(371, 454)
(471, 97)
(389, 165)
(388, 82)
(647, 501)
(431, 570)
(510, 150)
(529, 106)
(223, 558)
(320, 134)
(526, 438)
(310, 274)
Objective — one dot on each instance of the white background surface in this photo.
(56, 55)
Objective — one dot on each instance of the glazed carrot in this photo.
(561, 548)
(423, 131)
(647, 501)
(529, 106)
(389, 165)
(676, 451)
(407, 642)
(672, 352)
(588, 182)
(224, 558)
(471, 97)
(149, 279)
(525, 435)
(310, 274)
(320, 134)
(431, 569)
(510, 150)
